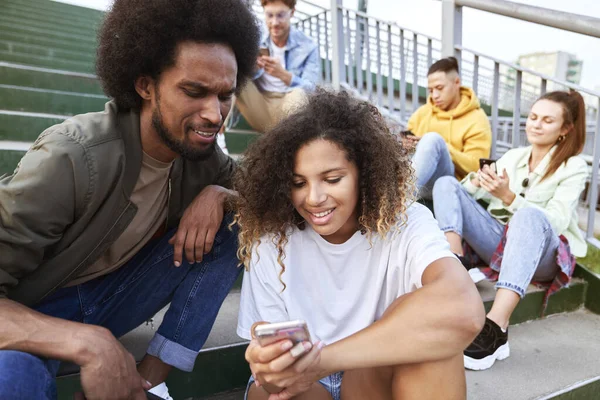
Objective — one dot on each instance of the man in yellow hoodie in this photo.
(451, 132)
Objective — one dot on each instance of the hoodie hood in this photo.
(468, 103)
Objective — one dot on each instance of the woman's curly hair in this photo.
(139, 37)
(264, 178)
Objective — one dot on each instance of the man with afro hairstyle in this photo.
(112, 215)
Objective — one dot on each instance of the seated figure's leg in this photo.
(126, 298)
(456, 211)
(431, 161)
(24, 376)
(530, 250)
(196, 302)
(254, 106)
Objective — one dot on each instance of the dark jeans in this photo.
(125, 298)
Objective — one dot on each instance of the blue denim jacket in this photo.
(301, 59)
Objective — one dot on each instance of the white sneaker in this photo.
(161, 391)
(476, 275)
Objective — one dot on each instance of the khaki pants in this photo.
(263, 110)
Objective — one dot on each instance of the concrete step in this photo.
(50, 24)
(553, 357)
(44, 51)
(28, 99)
(37, 16)
(54, 34)
(46, 78)
(47, 61)
(67, 11)
(25, 126)
(29, 38)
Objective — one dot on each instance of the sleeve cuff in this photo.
(469, 187)
(517, 203)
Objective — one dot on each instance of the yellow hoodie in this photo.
(466, 130)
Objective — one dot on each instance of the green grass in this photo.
(592, 259)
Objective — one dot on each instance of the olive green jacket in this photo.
(68, 199)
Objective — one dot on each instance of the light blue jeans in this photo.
(125, 298)
(531, 243)
(431, 161)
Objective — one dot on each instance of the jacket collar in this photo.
(542, 166)
(128, 124)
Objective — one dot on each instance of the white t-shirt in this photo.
(339, 289)
(269, 83)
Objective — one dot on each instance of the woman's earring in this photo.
(561, 138)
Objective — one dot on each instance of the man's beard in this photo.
(181, 147)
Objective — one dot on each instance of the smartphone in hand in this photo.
(264, 51)
(296, 331)
(489, 162)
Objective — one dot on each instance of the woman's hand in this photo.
(497, 186)
(281, 364)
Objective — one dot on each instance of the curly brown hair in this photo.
(264, 179)
(139, 37)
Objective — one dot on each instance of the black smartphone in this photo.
(264, 51)
(151, 396)
(487, 161)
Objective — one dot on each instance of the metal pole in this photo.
(451, 28)
(349, 73)
(516, 133)
(495, 95)
(415, 78)
(594, 181)
(476, 74)
(338, 73)
(390, 78)
(367, 39)
(327, 63)
(378, 76)
(402, 76)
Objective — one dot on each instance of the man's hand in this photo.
(199, 225)
(274, 68)
(497, 186)
(109, 371)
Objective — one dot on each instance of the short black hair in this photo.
(139, 37)
(447, 64)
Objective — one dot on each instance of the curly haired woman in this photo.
(329, 234)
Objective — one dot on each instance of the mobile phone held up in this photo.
(489, 162)
(264, 51)
(296, 331)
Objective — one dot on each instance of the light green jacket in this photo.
(557, 196)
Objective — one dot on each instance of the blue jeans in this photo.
(531, 243)
(431, 161)
(125, 298)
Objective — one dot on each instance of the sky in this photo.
(501, 37)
